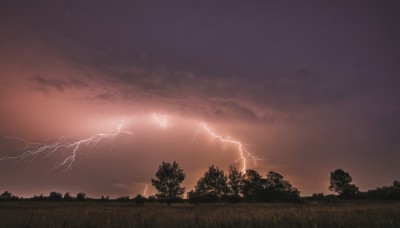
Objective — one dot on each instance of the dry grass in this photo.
(91, 214)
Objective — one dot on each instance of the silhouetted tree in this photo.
(139, 199)
(279, 189)
(235, 182)
(211, 187)
(81, 196)
(39, 198)
(396, 184)
(123, 198)
(350, 192)
(68, 197)
(273, 188)
(318, 196)
(55, 196)
(340, 183)
(339, 180)
(386, 192)
(151, 198)
(253, 184)
(6, 195)
(167, 182)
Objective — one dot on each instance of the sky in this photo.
(306, 87)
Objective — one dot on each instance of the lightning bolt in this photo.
(65, 145)
(161, 120)
(243, 152)
(195, 135)
(72, 147)
(145, 190)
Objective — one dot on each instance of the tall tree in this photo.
(277, 182)
(235, 181)
(212, 186)
(279, 189)
(253, 184)
(6, 195)
(168, 181)
(272, 188)
(340, 182)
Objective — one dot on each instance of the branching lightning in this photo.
(65, 145)
(71, 147)
(243, 152)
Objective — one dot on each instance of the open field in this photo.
(127, 214)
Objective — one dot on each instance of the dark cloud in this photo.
(287, 61)
(105, 96)
(45, 84)
(225, 96)
(321, 80)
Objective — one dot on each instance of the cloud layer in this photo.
(311, 87)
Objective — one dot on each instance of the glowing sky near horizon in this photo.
(305, 87)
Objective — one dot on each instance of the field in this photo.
(127, 214)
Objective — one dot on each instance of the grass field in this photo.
(127, 214)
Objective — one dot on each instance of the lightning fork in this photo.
(243, 152)
(66, 145)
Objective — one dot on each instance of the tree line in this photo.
(216, 186)
(235, 186)
(57, 196)
(53, 196)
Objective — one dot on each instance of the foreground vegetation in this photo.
(128, 214)
(217, 200)
(215, 186)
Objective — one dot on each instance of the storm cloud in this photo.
(310, 86)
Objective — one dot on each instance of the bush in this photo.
(139, 199)
(81, 196)
(55, 196)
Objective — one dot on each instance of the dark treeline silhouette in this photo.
(340, 182)
(251, 186)
(7, 196)
(386, 192)
(235, 186)
(216, 186)
(56, 196)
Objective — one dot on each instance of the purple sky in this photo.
(307, 87)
